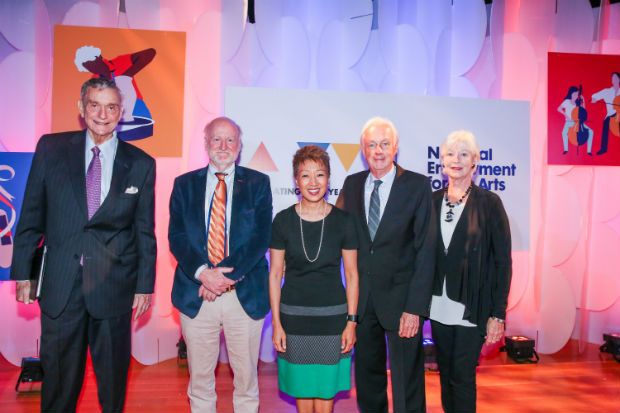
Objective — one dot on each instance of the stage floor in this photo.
(562, 382)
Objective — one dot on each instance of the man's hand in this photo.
(206, 294)
(23, 292)
(214, 280)
(409, 325)
(141, 303)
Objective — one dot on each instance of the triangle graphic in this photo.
(261, 161)
(347, 152)
(322, 145)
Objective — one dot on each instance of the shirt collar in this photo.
(229, 172)
(386, 179)
(105, 147)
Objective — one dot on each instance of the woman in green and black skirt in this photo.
(314, 317)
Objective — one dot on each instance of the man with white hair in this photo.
(220, 227)
(392, 207)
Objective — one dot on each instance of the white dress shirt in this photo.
(209, 193)
(443, 309)
(608, 96)
(107, 155)
(568, 106)
(384, 190)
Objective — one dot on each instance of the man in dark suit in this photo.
(91, 197)
(220, 226)
(392, 207)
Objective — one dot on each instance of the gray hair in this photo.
(211, 124)
(379, 121)
(99, 83)
(461, 137)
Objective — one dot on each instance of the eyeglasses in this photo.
(94, 107)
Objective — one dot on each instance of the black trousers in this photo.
(406, 366)
(458, 350)
(64, 344)
(605, 135)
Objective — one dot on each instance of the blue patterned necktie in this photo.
(374, 210)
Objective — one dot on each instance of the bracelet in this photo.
(499, 320)
(352, 317)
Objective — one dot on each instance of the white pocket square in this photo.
(131, 190)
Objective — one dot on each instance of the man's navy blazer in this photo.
(249, 236)
(397, 267)
(116, 246)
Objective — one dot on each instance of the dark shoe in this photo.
(564, 153)
(590, 153)
(601, 152)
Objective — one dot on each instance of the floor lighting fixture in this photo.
(521, 349)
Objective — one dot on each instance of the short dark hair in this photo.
(310, 153)
(616, 73)
(99, 83)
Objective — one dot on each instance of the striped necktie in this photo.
(216, 243)
(374, 210)
(93, 183)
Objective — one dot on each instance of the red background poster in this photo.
(594, 73)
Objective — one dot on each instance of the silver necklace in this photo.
(301, 228)
(450, 205)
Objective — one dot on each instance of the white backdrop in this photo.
(443, 47)
(276, 121)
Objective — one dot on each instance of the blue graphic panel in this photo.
(14, 169)
(322, 145)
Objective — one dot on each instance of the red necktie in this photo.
(216, 243)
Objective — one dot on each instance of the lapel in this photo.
(390, 207)
(197, 215)
(460, 235)
(120, 172)
(358, 199)
(238, 204)
(437, 204)
(75, 161)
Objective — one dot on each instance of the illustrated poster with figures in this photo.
(147, 66)
(583, 109)
(14, 169)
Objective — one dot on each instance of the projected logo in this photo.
(346, 152)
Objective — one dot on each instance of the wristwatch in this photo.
(352, 317)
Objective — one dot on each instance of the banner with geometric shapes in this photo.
(277, 122)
